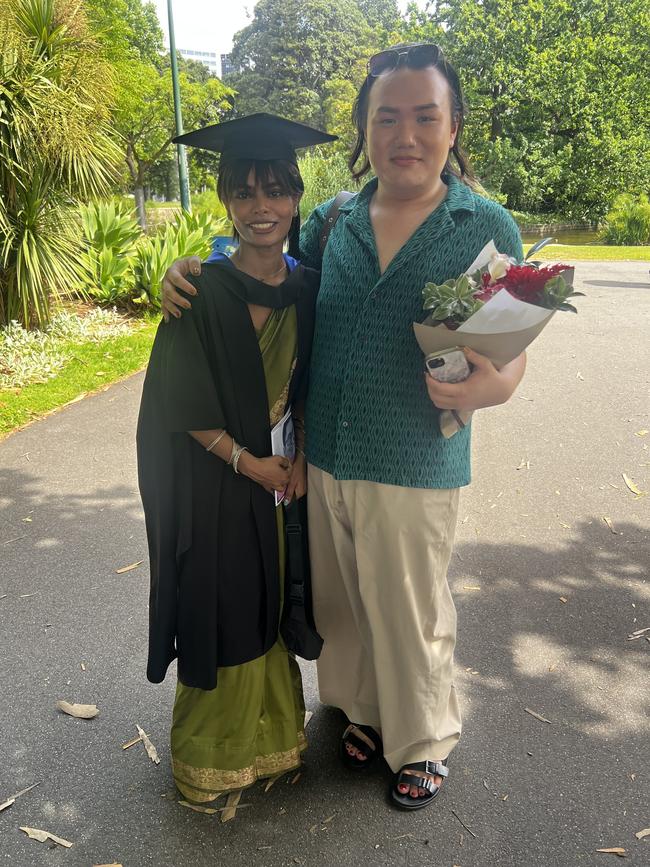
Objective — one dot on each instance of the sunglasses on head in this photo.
(415, 57)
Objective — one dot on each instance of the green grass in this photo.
(91, 367)
(591, 253)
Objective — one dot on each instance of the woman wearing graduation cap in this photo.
(218, 381)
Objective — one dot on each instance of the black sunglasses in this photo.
(415, 57)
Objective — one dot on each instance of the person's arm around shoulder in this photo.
(174, 279)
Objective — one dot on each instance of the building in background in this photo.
(207, 58)
(227, 66)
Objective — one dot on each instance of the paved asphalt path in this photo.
(547, 593)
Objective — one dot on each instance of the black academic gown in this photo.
(212, 534)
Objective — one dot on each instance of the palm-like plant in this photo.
(56, 148)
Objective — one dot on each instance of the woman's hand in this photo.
(298, 480)
(485, 386)
(272, 473)
(174, 279)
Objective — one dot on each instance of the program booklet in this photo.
(283, 442)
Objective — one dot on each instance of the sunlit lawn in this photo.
(89, 368)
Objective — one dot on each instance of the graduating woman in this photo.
(219, 379)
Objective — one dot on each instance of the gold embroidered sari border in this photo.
(208, 783)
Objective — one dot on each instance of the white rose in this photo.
(498, 266)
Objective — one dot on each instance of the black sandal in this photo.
(371, 753)
(406, 802)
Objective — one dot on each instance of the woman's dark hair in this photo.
(457, 162)
(233, 176)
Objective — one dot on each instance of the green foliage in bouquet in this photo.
(453, 299)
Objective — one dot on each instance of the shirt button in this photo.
(345, 424)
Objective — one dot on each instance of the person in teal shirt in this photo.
(383, 482)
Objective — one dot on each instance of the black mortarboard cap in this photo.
(259, 136)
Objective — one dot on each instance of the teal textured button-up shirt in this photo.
(369, 415)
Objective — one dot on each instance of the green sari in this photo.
(252, 724)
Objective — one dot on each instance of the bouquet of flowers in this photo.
(497, 307)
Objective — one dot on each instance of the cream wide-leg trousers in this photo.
(379, 557)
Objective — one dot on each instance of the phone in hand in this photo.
(448, 365)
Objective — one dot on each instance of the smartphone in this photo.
(450, 365)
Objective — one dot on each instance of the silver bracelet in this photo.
(233, 451)
(215, 441)
(235, 461)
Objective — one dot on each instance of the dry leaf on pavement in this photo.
(641, 433)
(198, 808)
(128, 568)
(131, 743)
(614, 850)
(80, 711)
(641, 834)
(608, 521)
(149, 747)
(537, 716)
(7, 803)
(114, 864)
(272, 781)
(44, 836)
(230, 810)
(631, 485)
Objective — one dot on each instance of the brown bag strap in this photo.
(332, 216)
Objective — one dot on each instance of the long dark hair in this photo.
(457, 162)
(233, 175)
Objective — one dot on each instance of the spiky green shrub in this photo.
(188, 235)
(628, 222)
(107, 262)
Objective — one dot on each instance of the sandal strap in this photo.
(437, 769)
(350, 737)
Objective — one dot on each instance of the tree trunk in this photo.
(136, 170)
(139, 206)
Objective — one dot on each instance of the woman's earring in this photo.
(295, 212)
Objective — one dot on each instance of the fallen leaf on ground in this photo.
(131, 743)
(7, 803)
(44, 836)
(566, 526)
(580, 376)
(271, 782)
(537, 715)
(641, 433)
(631, 485)
(198, 808)
(128, 568)
(563, 599)
(83, 667)
(114, 864)
(328, 820)
(634, 635)
(641, 834)
(524, 465)
(296, 778)
(149, 747)
(614, 850)
(26, 595)
(27, 520)
(470, 587)
(80, 711)
(230, 810)
(608, 521)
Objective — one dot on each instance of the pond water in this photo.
(563, 236)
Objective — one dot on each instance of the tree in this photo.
(145, 116)
(558, 96)
(56, 148)
(289, 52)
(127, 29)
